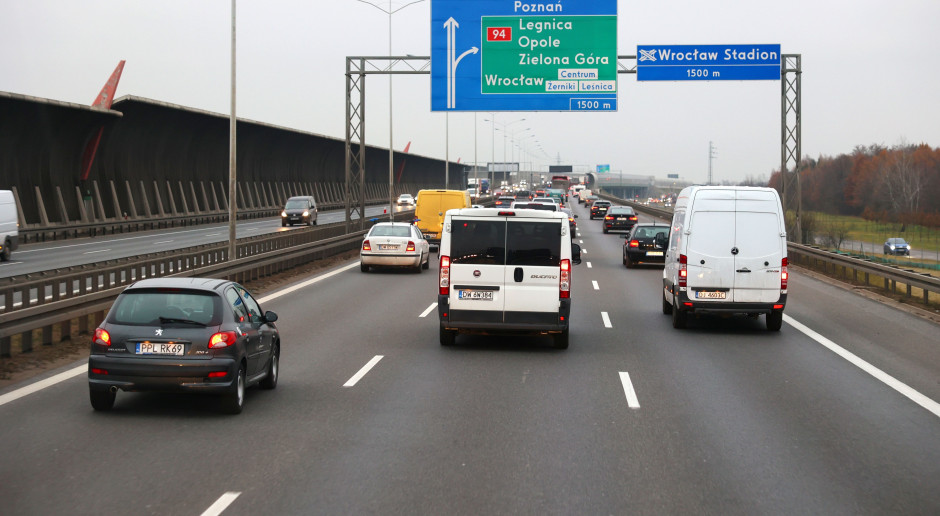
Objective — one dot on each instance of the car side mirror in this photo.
(270, 316)
(575, 254)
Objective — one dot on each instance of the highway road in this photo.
(835, 414)
(64, 253)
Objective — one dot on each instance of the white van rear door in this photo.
(477, 257)
(760, 248)
(533, 258)
(708, 252)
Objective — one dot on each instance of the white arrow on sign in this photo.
(451, 25)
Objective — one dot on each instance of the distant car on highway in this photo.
(504, 200)
(301, 209)
(897, 246)
(599, 209)
(588, 199)
(184, 335)
(572, 224)
(646, 243)
(619, 218)
(394, 244)
(406, 199)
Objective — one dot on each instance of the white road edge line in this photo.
(426, 312)
(594, 282)
(632, 401)
(98, 251)
(918, 398)
(164, 242)
(222, 503)
(288, 290)
(42, 384)
(606, 319)
(362, 372)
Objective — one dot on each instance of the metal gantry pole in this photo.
(790, 137)
(232, 177)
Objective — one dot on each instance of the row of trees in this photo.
(899, 184)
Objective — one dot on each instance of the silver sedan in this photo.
(394, 244)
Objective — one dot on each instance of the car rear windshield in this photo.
(490, 242)
(601, 203)
(650, 232)
(147, 306)
(396, 231)
(620, 210)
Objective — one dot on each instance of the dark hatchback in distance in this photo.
(184, 335)
(599, 209)
(646, 243)
(619, 218)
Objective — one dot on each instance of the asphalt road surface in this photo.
(834, 414)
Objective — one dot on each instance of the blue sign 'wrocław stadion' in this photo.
(524, 55)
(708, 62)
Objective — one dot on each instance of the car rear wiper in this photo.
(165, 320)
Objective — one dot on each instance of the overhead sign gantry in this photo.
(511, 55)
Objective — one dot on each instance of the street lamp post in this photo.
(391, 148)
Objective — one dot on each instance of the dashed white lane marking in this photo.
(288, 290)
(583, 251)
(164, 242)
(918, 398)
(222, 503)
(98, 251)
(213, 234)
(426, 312)
(580, 241)
(362, 372)
(632, 400)
(42, 384)
(9, 263)
(589, 265)
(606, 319)
(594, 282)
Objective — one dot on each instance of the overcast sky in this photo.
(870, 75)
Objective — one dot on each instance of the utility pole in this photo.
(711, 154)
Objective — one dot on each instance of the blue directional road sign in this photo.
(533, 55)
(708, 62)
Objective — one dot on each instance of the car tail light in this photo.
(778, 307)
(784, 275)
(366, 246)
(634, 243)
(609, 217)
(633, 218)
(683, 270)
(411, 246)
(218, 374)
(102, 337)
(95, 370)
(445, 276)
(223, 339)
(564, 284)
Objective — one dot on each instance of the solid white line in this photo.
(221, 504)
(42, 384)
(426, 312)
(594, 282)
(606, 319)
(589, 265)
(98, 251)
(213, 234)
(918, 398)
(162, 242)
(288, 290)
(632, 400)
(362, 372)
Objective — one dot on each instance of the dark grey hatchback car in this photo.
(184, 334)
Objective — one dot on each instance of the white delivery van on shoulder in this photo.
(9, 225)
(506, 272)
(727, 254)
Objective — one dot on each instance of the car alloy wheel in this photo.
(234, 401)
(270, 381)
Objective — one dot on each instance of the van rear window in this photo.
(534, 243)
(480, 242)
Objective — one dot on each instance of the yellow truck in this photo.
(430, 208)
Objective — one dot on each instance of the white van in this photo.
(505, 271)
(727, 253)
(9, 225)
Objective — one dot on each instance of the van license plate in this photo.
(657, 253)
(485, 295)
(710, 295)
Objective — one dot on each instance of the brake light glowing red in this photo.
(223, 339)
(444, 287)
(411, 246)
(634, 243)
(784, 275)
(366, 246)
(632, 217)
(608, 217)
(102, 337)
(564, 284)
(778, 307)
(683, 270)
